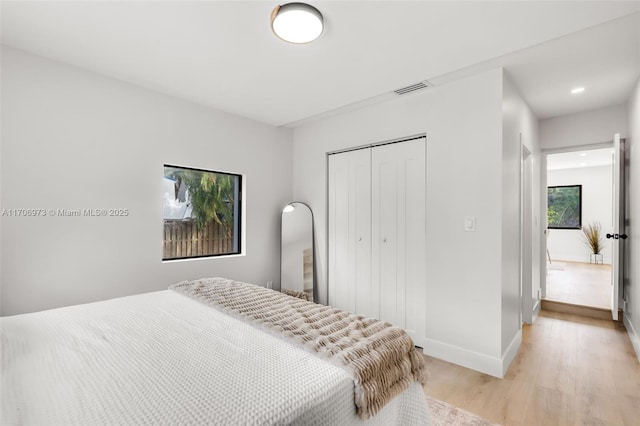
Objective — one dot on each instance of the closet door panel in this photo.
(350, 231)
(384, 235)
(398, 233)
(360, 187)
(339, 231)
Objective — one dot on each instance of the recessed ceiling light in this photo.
(583, 154)
(297, 22)
(577, 90)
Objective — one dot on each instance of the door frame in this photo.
(619, 199)
(526, 235)
(543, 202)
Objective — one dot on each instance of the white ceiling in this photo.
(223, 54)
(579, 159)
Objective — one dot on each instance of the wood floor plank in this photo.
(629, 407)
(594, 408)
(550, 407)
(570, 370)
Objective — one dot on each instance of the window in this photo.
(564, 207)
(201, 213)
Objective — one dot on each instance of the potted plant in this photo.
(593, 238)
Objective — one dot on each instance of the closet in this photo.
(377, 232)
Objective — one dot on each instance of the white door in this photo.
(350, 231)
(398, 246)
(618, 231)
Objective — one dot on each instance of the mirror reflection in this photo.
(296, 268)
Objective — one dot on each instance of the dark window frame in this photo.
(579, 224)
(237, 215)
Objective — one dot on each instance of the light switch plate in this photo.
(470, 223)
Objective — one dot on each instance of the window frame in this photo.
(238, 217)
(579, 226)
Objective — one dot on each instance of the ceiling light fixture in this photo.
(577, 90)
(297, 22)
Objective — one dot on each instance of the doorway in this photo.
(579, 214)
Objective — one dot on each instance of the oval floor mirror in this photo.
(296, 265)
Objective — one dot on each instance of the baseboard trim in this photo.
(579, 259)
(569, 308)
(536, 309)
(511, 352)
(633, 335)
(464, 357)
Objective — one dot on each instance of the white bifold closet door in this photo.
(350, 231)
(377, 233)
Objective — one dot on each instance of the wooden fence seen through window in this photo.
(182, 238)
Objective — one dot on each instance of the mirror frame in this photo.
(313, 249)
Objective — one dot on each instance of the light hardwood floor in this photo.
(570, 370)
(579, 283)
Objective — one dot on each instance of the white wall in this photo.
(583, 128)
(632, 245)
(569, 244)
(463, 123)
(73, 139)
(519, 124)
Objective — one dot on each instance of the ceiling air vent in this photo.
(412, 88)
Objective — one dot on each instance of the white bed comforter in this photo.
(162, 358)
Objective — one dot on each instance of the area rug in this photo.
(443, 414)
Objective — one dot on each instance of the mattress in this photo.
(162, 358)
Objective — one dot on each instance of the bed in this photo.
(170, 357)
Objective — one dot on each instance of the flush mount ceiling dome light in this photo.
(297, 22)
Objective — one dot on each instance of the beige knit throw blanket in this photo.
(380, 357)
